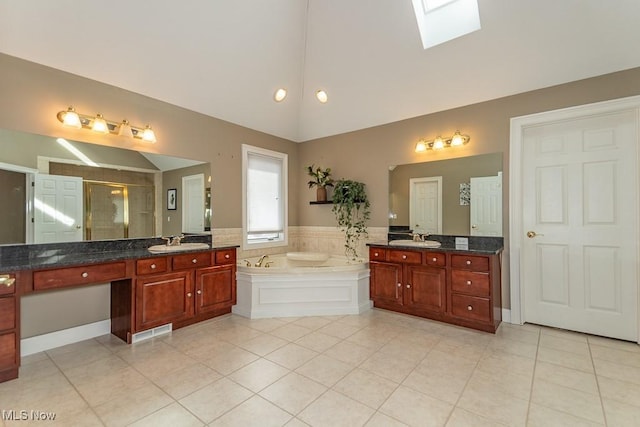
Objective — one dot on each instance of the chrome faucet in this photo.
(261, 260)
(174, 240)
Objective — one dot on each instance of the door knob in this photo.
(532, 234)
(474, 226)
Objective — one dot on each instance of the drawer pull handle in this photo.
(469, 308)
(468, 282)
(199, 292)
(404, 257)
(434, 259)
(468, 262)
(409, 286)
(375, 254)
(189, 294)
(85, 274)
(194, 260)
(227, 256)
(7, 281)
(153, 266)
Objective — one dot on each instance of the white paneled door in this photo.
(486, 205)
(579, 224)
(193, 204)
(57, 208)
(425, 205)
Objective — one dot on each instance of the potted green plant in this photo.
(352, 209)
(321, 179)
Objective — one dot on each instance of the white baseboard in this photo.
(506, 315)
(66, 336)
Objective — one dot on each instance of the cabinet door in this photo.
(215, 288)
(386, 282)
(8, 351)
(163, 299)
(425, 288)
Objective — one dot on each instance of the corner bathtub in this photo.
(301, 284)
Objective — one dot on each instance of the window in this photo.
(264, 207)
(442, 20)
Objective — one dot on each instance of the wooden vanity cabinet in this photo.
(186, 289)
(401, 281)
(164, 298)
(475, 292)
(458, 288)
(9, 330)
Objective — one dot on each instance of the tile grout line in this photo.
(595, 374)
(533, 377)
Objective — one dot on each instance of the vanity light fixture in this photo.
(99, 124)
(439, 143)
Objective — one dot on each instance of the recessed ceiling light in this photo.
(280, 94)
(322, 96)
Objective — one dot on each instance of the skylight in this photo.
(442, 20)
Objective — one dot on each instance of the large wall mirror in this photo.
(57, 190)
(453, 197)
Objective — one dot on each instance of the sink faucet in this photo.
(174, 240)
(261, 260)
(417, 237)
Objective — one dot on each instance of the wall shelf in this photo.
(326, 202)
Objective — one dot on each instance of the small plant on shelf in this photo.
(352, 209)
(321, 179)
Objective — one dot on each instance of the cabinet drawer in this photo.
(407, 257)
(470, 282)
(470, 262)
(151, 265)
(7, 313)
(225, 257)
(84, 275)
(376, 254)
(472, 308)
(7, 284)
(199, 259)
(437, 259)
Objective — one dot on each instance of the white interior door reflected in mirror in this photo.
(193, 204)
(425, 200)
(486, 206)
(57, 209)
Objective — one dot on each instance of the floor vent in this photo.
(151, 333)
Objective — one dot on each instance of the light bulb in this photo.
(322, 96)
(99, 124)
(70, 118)
(438, 143)
(148, 134)
(125, 129)
(421, 146)
(280, 95)
(457, 139)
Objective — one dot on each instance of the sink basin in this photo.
(425, 244)
(181, 247)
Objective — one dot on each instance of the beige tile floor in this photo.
(376, 369)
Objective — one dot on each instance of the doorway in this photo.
(574, 219)
(425, 205)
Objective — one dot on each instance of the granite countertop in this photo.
(477, 244)
(50, 255)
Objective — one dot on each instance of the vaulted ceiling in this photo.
(226, 58)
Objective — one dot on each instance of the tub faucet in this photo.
(261, 260)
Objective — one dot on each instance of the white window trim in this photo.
(246, 149)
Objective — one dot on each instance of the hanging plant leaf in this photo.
(352, 210)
